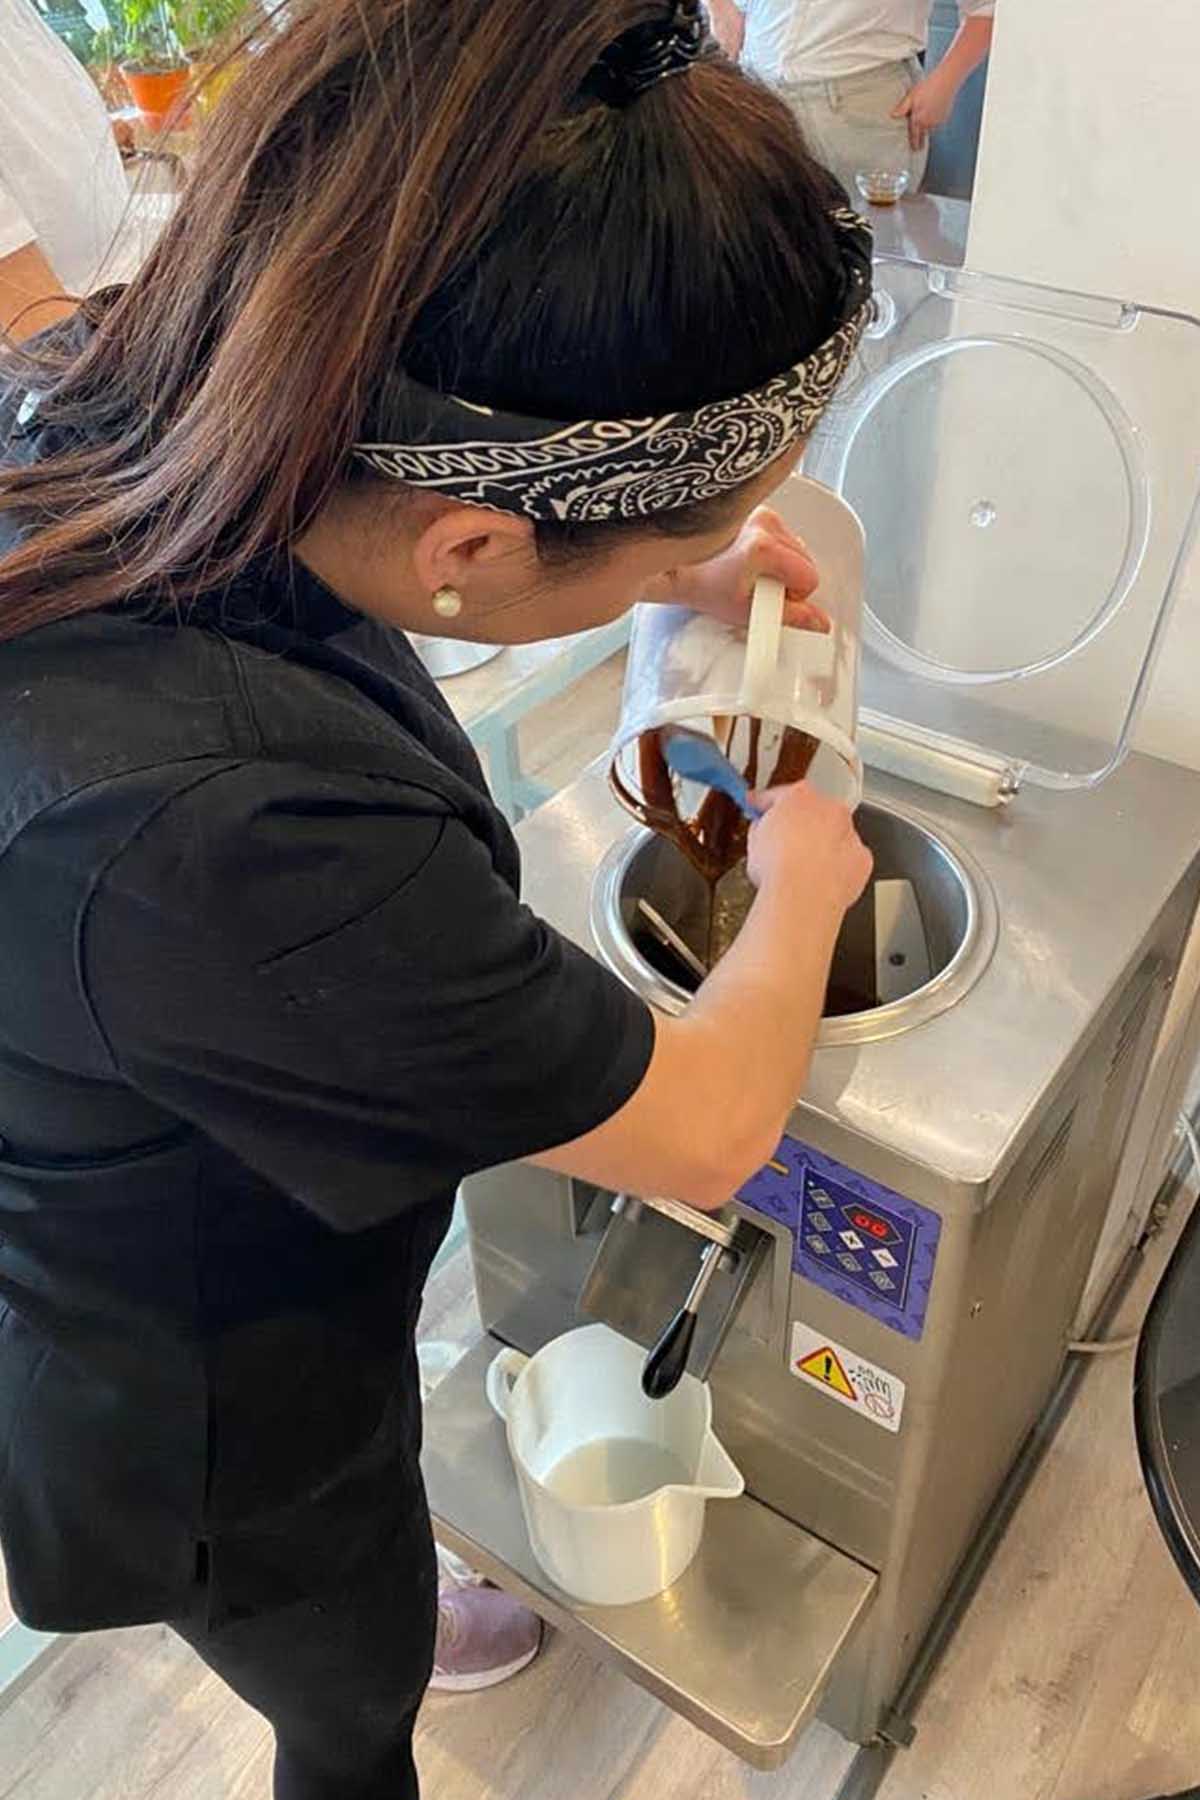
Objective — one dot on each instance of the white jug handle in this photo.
(502, 1374)
(762, 640)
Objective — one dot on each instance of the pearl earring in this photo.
(447, 603)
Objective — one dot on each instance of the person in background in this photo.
(851, 72)
(63, 191)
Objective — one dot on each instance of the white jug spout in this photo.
(718, 1476)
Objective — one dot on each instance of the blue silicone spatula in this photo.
(694, 757)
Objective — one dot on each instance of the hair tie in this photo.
(647, 54)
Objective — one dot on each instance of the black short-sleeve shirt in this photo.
(267, 994)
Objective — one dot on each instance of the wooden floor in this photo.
(1075, 1675)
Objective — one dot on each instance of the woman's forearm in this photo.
(724, 1077)
(761, 1008)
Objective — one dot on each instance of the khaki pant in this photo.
(848, 126)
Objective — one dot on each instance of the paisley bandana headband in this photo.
(619, 468)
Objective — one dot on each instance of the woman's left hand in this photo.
(723, 587)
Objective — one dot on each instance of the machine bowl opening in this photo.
(909, 948)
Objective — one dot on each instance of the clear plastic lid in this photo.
(1024, 462)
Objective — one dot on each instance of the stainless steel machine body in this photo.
(898, 1287)
(1002, 1119)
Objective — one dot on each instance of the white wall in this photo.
(1086, 181)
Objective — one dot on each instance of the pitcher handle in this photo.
(501, 1377)
(762, 640)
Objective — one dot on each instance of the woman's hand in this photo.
(806, 845)
(724, 586)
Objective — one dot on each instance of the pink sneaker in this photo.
(483, 1637)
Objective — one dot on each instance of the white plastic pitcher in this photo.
(685, 668)
(613, 1486)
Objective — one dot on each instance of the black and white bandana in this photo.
(620, 468)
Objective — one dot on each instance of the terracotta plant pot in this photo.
(155, 93)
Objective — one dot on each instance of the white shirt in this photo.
(824, 40)
(61, 180)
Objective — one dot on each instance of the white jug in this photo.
(613, 1486)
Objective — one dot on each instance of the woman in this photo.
(268, 990)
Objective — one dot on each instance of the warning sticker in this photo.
(825, 1366)
(847, 1377)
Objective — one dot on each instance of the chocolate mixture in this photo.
(714, 838)
(714, 842)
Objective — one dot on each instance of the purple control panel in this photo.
(862, 1242)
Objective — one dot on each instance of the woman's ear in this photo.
(467, 544)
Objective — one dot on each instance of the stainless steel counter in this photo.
(925, 228)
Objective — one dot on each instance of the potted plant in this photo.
(152, 62)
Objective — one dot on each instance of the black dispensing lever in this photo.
(668, 1359)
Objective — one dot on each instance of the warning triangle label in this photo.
(824, 1365)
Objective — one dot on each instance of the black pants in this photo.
(339, 1678)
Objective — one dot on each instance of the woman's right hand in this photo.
(809, 843)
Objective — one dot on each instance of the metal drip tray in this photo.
(917, 941)
(742, 1645)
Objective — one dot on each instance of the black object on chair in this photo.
(1166, 1404)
